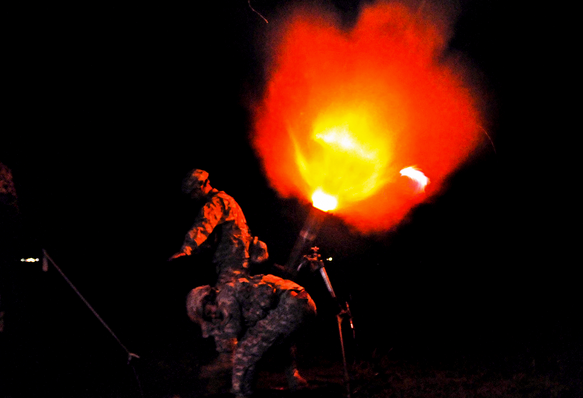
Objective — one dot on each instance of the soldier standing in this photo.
(248, 316)
(220, 215)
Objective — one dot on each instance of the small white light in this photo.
(329, 259)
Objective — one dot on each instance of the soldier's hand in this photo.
(177, 255)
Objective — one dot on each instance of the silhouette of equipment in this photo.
(316, 264)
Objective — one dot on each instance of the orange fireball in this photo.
(344, 112)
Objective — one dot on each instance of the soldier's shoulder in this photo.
(221, 197)
(281, 283)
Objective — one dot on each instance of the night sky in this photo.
(113, 104)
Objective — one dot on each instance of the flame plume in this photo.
(344, 112)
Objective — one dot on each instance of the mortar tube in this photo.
(327, 282)
(306, 237)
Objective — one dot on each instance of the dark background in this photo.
(110, 105)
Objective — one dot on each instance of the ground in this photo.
(384, 374)
(173, 372)
(513, 379)
(60, 350)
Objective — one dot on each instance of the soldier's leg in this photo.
(303, 306)
(267, 332)
(275, 328)
(294, 379)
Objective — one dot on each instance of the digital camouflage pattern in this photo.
(7, 191)
(256, 313)
(232, 252)
(8, 212)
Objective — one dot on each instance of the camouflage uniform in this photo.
(256, 313)
(231, 256)
(8, 214)
(7, 191)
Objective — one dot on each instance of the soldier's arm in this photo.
(206, 221)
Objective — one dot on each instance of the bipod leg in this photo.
(346, 374)
(318, 264)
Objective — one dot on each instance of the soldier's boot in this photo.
(294, 379)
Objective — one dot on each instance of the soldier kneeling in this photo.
(248, 316)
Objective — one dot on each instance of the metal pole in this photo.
(346, 375)
(306, 237)
(339, 318)
(131, 355)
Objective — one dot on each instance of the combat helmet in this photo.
(195, 303)
(195, 178)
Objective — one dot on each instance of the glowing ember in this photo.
(323, 201)
(344, 111)
(417, 176)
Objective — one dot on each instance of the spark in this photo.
(416, 175)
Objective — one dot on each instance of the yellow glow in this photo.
(323, 201)
(341, 139)
(346, 155)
